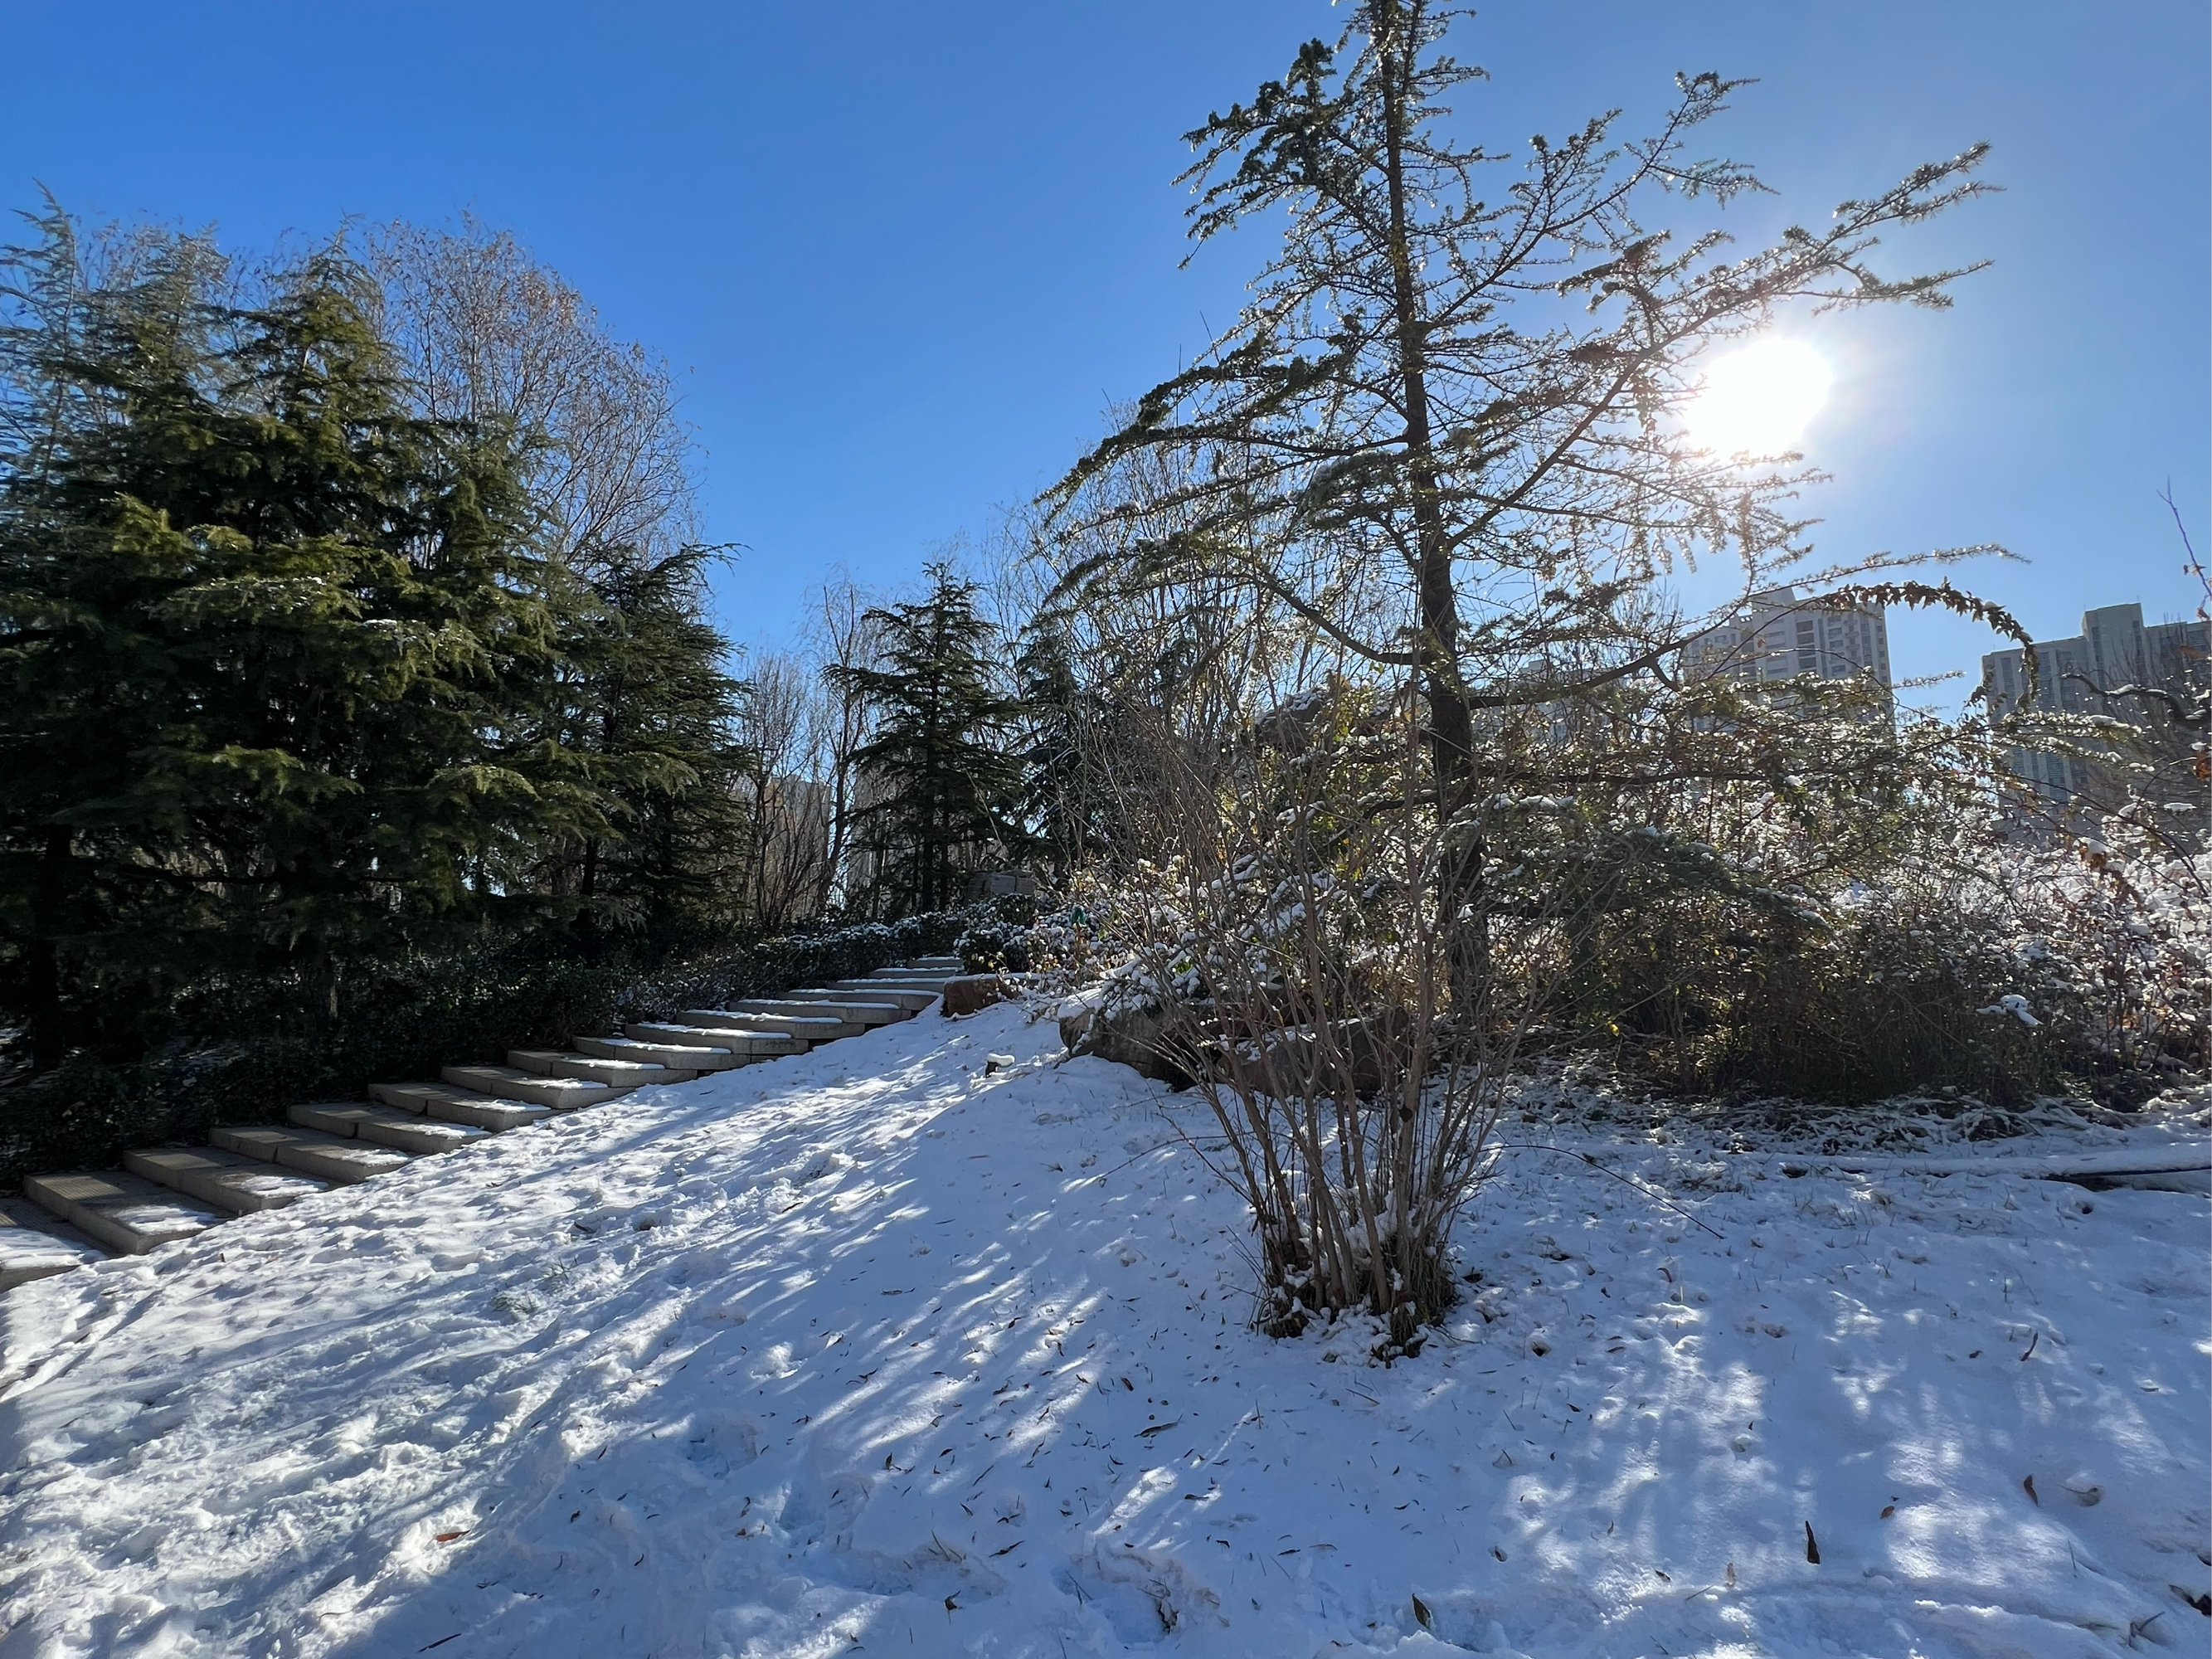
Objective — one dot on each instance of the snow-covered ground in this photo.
(876, 1350)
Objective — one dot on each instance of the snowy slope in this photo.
(867, 1351)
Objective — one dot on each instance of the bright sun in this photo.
(1758, 400)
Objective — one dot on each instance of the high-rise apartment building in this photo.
(2113, 649)
(1776, 637)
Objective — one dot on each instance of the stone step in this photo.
(451, 1105)
(913, 1000)
(853, 1009)
(385, 1126)
(123, 1212)
(226, 1180)
(621, 1074)
(930, 983)
(334, 1157)
(748, 1043)
(563, 1094)
(872, 1003)
(36, 1243)
(815, 1028)
(691, 1058)
(950, 964)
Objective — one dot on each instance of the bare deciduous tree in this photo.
(490, 336)
(843, 638)
(786, 733)
(1192, 651)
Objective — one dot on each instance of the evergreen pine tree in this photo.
(942, 779)
(271, 648)
(1062, 809)
(647, 700)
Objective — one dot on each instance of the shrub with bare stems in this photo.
(1303, 957)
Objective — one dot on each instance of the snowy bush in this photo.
(1347, 978)
(998, 939)
(1951, 951)
(1349, 981)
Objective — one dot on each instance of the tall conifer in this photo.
(1064, 808)
(942, 781)
(271, 648)
(646, 699)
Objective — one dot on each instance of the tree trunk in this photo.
(1451, 727)
(42, 952)
(1451, 722)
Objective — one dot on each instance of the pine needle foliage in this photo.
(1066, 807)
(940, 781)
(274, 649)
(646, 697)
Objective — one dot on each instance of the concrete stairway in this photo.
(167, 1193)
(35, 1242)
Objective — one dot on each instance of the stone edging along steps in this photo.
(163, 1193)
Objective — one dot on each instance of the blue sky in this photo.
(901, 256)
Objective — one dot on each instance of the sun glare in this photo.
(1759, 400)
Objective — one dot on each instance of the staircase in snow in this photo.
(163, 1193)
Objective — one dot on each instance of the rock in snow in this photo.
(866, 1352)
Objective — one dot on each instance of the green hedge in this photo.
(401, 1025)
